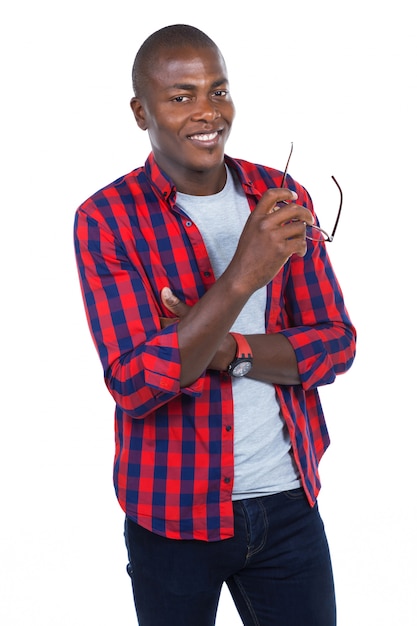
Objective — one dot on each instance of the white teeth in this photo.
(205, 137)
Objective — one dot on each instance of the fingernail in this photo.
(166, 292)
(294, 195)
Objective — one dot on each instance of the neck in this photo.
(203, 183)
(198, 182)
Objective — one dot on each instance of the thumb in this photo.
(174, 304)
(168, 298)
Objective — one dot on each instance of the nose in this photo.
(205, 110)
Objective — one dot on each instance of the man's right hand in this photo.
(272, 234)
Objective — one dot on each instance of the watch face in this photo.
(242, 368)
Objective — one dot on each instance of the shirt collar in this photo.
(162, 184)
(243, 175)
(165, 187)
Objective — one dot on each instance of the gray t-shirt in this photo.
(264, 462)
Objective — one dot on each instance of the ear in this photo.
(139, 113)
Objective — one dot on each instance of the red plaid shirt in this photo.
(173, 469)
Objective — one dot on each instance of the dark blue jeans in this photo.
(277, 567)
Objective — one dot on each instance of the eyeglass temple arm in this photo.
(286, 167)
(337, 184)
(340, 207)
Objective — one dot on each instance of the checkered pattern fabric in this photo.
(173, 469)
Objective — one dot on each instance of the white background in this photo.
(338, 79)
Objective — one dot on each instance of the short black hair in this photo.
(173, 36)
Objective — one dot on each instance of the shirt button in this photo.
(188, 223)
(227, 480)
(207, 274)
(228, 428)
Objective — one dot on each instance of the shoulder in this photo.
(111, 212)
(253, 170)
(115, 195)
(263, 177)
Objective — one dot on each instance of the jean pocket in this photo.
(295, 494)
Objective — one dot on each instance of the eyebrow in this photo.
(190, 86)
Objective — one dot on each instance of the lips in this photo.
(205, 137)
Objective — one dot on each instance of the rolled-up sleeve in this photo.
(141, 361)
(318, 324)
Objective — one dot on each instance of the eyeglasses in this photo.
(315, 233)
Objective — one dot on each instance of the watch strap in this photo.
(243, 349)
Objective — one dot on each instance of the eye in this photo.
(220, 93)
(181, 99)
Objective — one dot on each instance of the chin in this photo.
(212, 160)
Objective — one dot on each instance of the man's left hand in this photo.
(175, 305)
(227, 348)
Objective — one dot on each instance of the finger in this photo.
(168, 321)
(168, 298)
(295, 229)
(173, 303)
(270, 198)
(294, 238)
(288, 213)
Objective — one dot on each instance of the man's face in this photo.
(188, 113)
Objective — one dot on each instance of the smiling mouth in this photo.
(205, 137)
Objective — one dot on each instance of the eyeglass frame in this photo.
(327, 238)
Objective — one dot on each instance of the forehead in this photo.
(187, 65)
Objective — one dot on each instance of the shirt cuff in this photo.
(315, 367)
(162, 364)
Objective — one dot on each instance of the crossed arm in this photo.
(274, 359)
(308, 343)
(270, 238)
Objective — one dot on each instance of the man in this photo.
(215, 319)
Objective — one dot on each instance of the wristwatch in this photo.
(242, 363)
